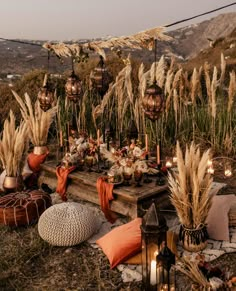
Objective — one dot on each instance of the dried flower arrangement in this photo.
(36, 119)
(204, 275)
(189, 193)
(14, 146)
(190, 186)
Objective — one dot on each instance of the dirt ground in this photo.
(29, 263)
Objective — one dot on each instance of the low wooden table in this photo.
(128, 200)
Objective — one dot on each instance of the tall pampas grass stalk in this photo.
(36, 119)
(14, 145)
(190, 186)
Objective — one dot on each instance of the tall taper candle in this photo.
(98, 137)
(158, 155)
(146, 142)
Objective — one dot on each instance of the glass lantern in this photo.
(153, 230)
(165, 271)
(73, 88)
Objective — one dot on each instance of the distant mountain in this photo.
(188, 42)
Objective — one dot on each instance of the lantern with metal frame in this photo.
(73, 86)
(165, 272)
(45, 95)
(153, 231)
(100, 78)
(153, 101)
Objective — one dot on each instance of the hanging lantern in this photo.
(132, 132)
(73, 88)
(153, 230)
(45, 95)
(153, 102)
(165, 271)
(100, 78)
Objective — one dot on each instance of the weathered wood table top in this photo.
(83, 185)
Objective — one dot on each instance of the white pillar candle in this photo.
(153, 275)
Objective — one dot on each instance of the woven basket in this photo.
(23, 208)
(67, 224)
(193, 240)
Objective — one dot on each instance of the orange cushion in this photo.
(122, 242)
(171, 243)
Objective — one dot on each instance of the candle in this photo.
(61, 139)
(168, 164)
(175, 160)
(209, 163)
(98, 137)
(210, 170)
(228, 173)
(146, 142)
(158, 155)
(153, 276)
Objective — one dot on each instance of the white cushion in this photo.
(67, 224)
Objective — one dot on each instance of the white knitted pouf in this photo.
(67, 224)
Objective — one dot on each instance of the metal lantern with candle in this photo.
(45, 95)
(100, 78)
(165, 271)
(153, 230)
(73, 88)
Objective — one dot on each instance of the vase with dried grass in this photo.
(38, 122)
(189, 193)
(14, 145)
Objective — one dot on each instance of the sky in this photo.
(78, 19)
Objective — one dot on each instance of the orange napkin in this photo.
(62, 174)
(34, 161)
(105, 196)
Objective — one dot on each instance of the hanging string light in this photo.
(100, 78)
(45, 95)
(153, 102)
(73, 86)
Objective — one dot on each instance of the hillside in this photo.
(191, 40)
(212, 55)
(18, 58)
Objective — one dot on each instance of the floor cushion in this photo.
(218, 219)
(121, 242)
(67, 224)
(23, 208)
(232, 213)
(171, 243)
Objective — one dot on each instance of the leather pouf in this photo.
(67, 224)
(23, 208)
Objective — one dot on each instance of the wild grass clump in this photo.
(190, 186)
(13, 146)
(37, 120)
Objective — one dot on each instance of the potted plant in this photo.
(38, 122)
(189, 193)
(13, 151)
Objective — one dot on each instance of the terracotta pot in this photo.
(40, 150)
(12, 184)
(193, 240)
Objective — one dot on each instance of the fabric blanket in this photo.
(62, 174)
(105, 192)
(34, 161)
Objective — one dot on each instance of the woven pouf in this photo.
(67, 224)
(23, 208)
